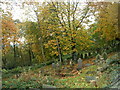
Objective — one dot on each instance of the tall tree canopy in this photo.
(61, 30)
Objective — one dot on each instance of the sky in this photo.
(19, 13)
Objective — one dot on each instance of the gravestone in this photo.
(98, 59)
(79, 63)
(48, 86)
(102, 60)
(65, 62)
(58, 65)
(89, 78)
(103, 68)
(90, 72)
(71, 63)
(104, 55)
(53, 65)
(87, 54)
(41, 71)
(87, 65)
(98, 56)
(91, 53)
(96, 52)
(95, 61)
(99, 70)
(83, 56)
(65, 68)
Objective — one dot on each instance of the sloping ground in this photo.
(114, 71)
(66, 77)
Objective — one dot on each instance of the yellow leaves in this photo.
(54, 47)
(52, 41)
(35, 50)
(87, 46)
(9, 32)
(46, 45)
(69, 34)
(74, 35)
(58, 32)
(64, 33)
(92, 41)
(64, 53)
(52, 44)
(75, 50)
(66, 48)
(54, 53)
(58, 37)
(97, 30)
(107, 21)
(39, 58)
(73, 44)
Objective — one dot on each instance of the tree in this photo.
(107, 23)
(10, 35)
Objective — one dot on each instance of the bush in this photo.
(49, 62)
(8, 73)
(114, 59)
(33, 82)
(4, 71)
(113, 70)
(68, 56)
(34, 60)
(16, 70)
(20, 83)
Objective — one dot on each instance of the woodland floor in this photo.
(68, 78)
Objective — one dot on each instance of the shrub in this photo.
(33, 82)
(16, 70)
(49, 62)
(113, 60)
(20, 83)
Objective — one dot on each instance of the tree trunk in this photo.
(59, 51)
(72, 39)
(73, 52)
(14, 50)
(30, 55)
(4, 62)
(4, 59)
(41, 39)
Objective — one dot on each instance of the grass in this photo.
(76, 81)
(79, 81)
(35, 78)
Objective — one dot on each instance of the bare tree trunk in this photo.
(41, 39)
(30, 55)
(4, 59)
(14, 50)
(70, 28)
(59, 51)
(42, 48)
